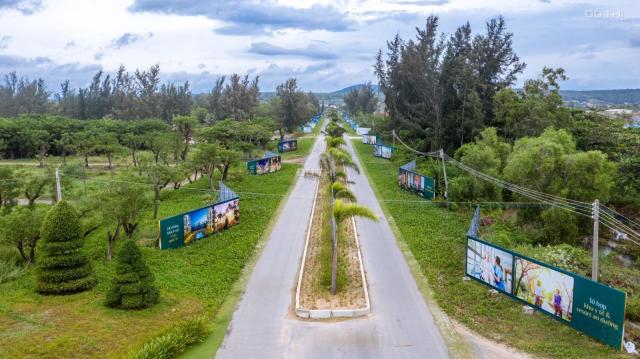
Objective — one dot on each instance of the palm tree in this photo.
(335, 157)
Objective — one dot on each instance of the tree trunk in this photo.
(334, 255)
(156, 201)
(225, 170)
(129, 228)
(281, 134)
(109, 160)
(112, 241)
(86, 160)
(43, 151)
(21, 251)
(133, 158)
(211, 182)
(32, 252)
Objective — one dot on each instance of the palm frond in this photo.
(343, 210)
(341, 191)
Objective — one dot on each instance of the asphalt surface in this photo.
(264, 326)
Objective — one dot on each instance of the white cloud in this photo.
(78, 34)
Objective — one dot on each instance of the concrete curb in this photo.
(331, 313)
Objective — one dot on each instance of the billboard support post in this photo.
(596, 225)
(444, 170)
(58, 189)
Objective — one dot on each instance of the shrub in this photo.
(173, 341)
(133, 284)
(558, 226)
(62, 268)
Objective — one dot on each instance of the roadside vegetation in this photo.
(436, 237)
(126, 160)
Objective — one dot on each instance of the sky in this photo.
(326, 45)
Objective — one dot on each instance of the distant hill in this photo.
(348, 89)
(603, 97)
(579, 98)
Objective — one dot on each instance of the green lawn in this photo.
(193, 281)
(436, 238)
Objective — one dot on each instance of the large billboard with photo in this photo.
(544, 288)
(184, 229)
(422, 185)
(590, 307)
(383, 151)
(369, 139)
(490, 265)
(264, 165)
(288, 145)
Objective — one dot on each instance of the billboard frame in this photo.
(576, 278)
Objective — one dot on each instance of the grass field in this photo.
(436, 238)
(193, 281)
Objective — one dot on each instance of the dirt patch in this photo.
(296, 160)
(315, 289)
(486, 348)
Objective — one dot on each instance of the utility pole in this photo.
(444, 169)
(596, 227)
(58, 187)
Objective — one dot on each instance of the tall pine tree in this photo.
(62, 268)
(132, 286)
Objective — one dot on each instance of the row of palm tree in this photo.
(343, 202)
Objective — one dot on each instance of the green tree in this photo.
(535, 108)
(9, 188)
(291, 107)
(186, 127)
(488, 155)
(35, 186)
(207, 156)
(62, 267)
(158, 176)
(121, 206)
(21, 229)
(132, 286)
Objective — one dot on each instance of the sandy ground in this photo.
(484, 348)
(312, 295)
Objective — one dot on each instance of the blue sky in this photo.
(327, 45)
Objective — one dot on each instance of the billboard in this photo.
(362, 130)
(369, 139)
(268, 164)
(186, 228)
(288, 145)
(414, 182)
(383, 151)
(587, 306)
(307, 129)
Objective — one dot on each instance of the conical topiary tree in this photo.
(62, 268)
(132, 286)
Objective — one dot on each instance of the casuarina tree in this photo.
(62, 267)
(132, 286)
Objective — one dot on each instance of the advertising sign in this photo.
(590, 307)
(414, 182)
(269, 163)
(369, 139)
(362, 130)
(288, 145)
(383, 151)
(186, 228)
(307, 129)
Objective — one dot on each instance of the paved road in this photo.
(264, 326)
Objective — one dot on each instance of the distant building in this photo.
(634, 122)
(617, 112)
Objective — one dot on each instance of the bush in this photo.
(10, 267)
(62, 268)
(133, 284)
(173, 341)
(558, 226)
